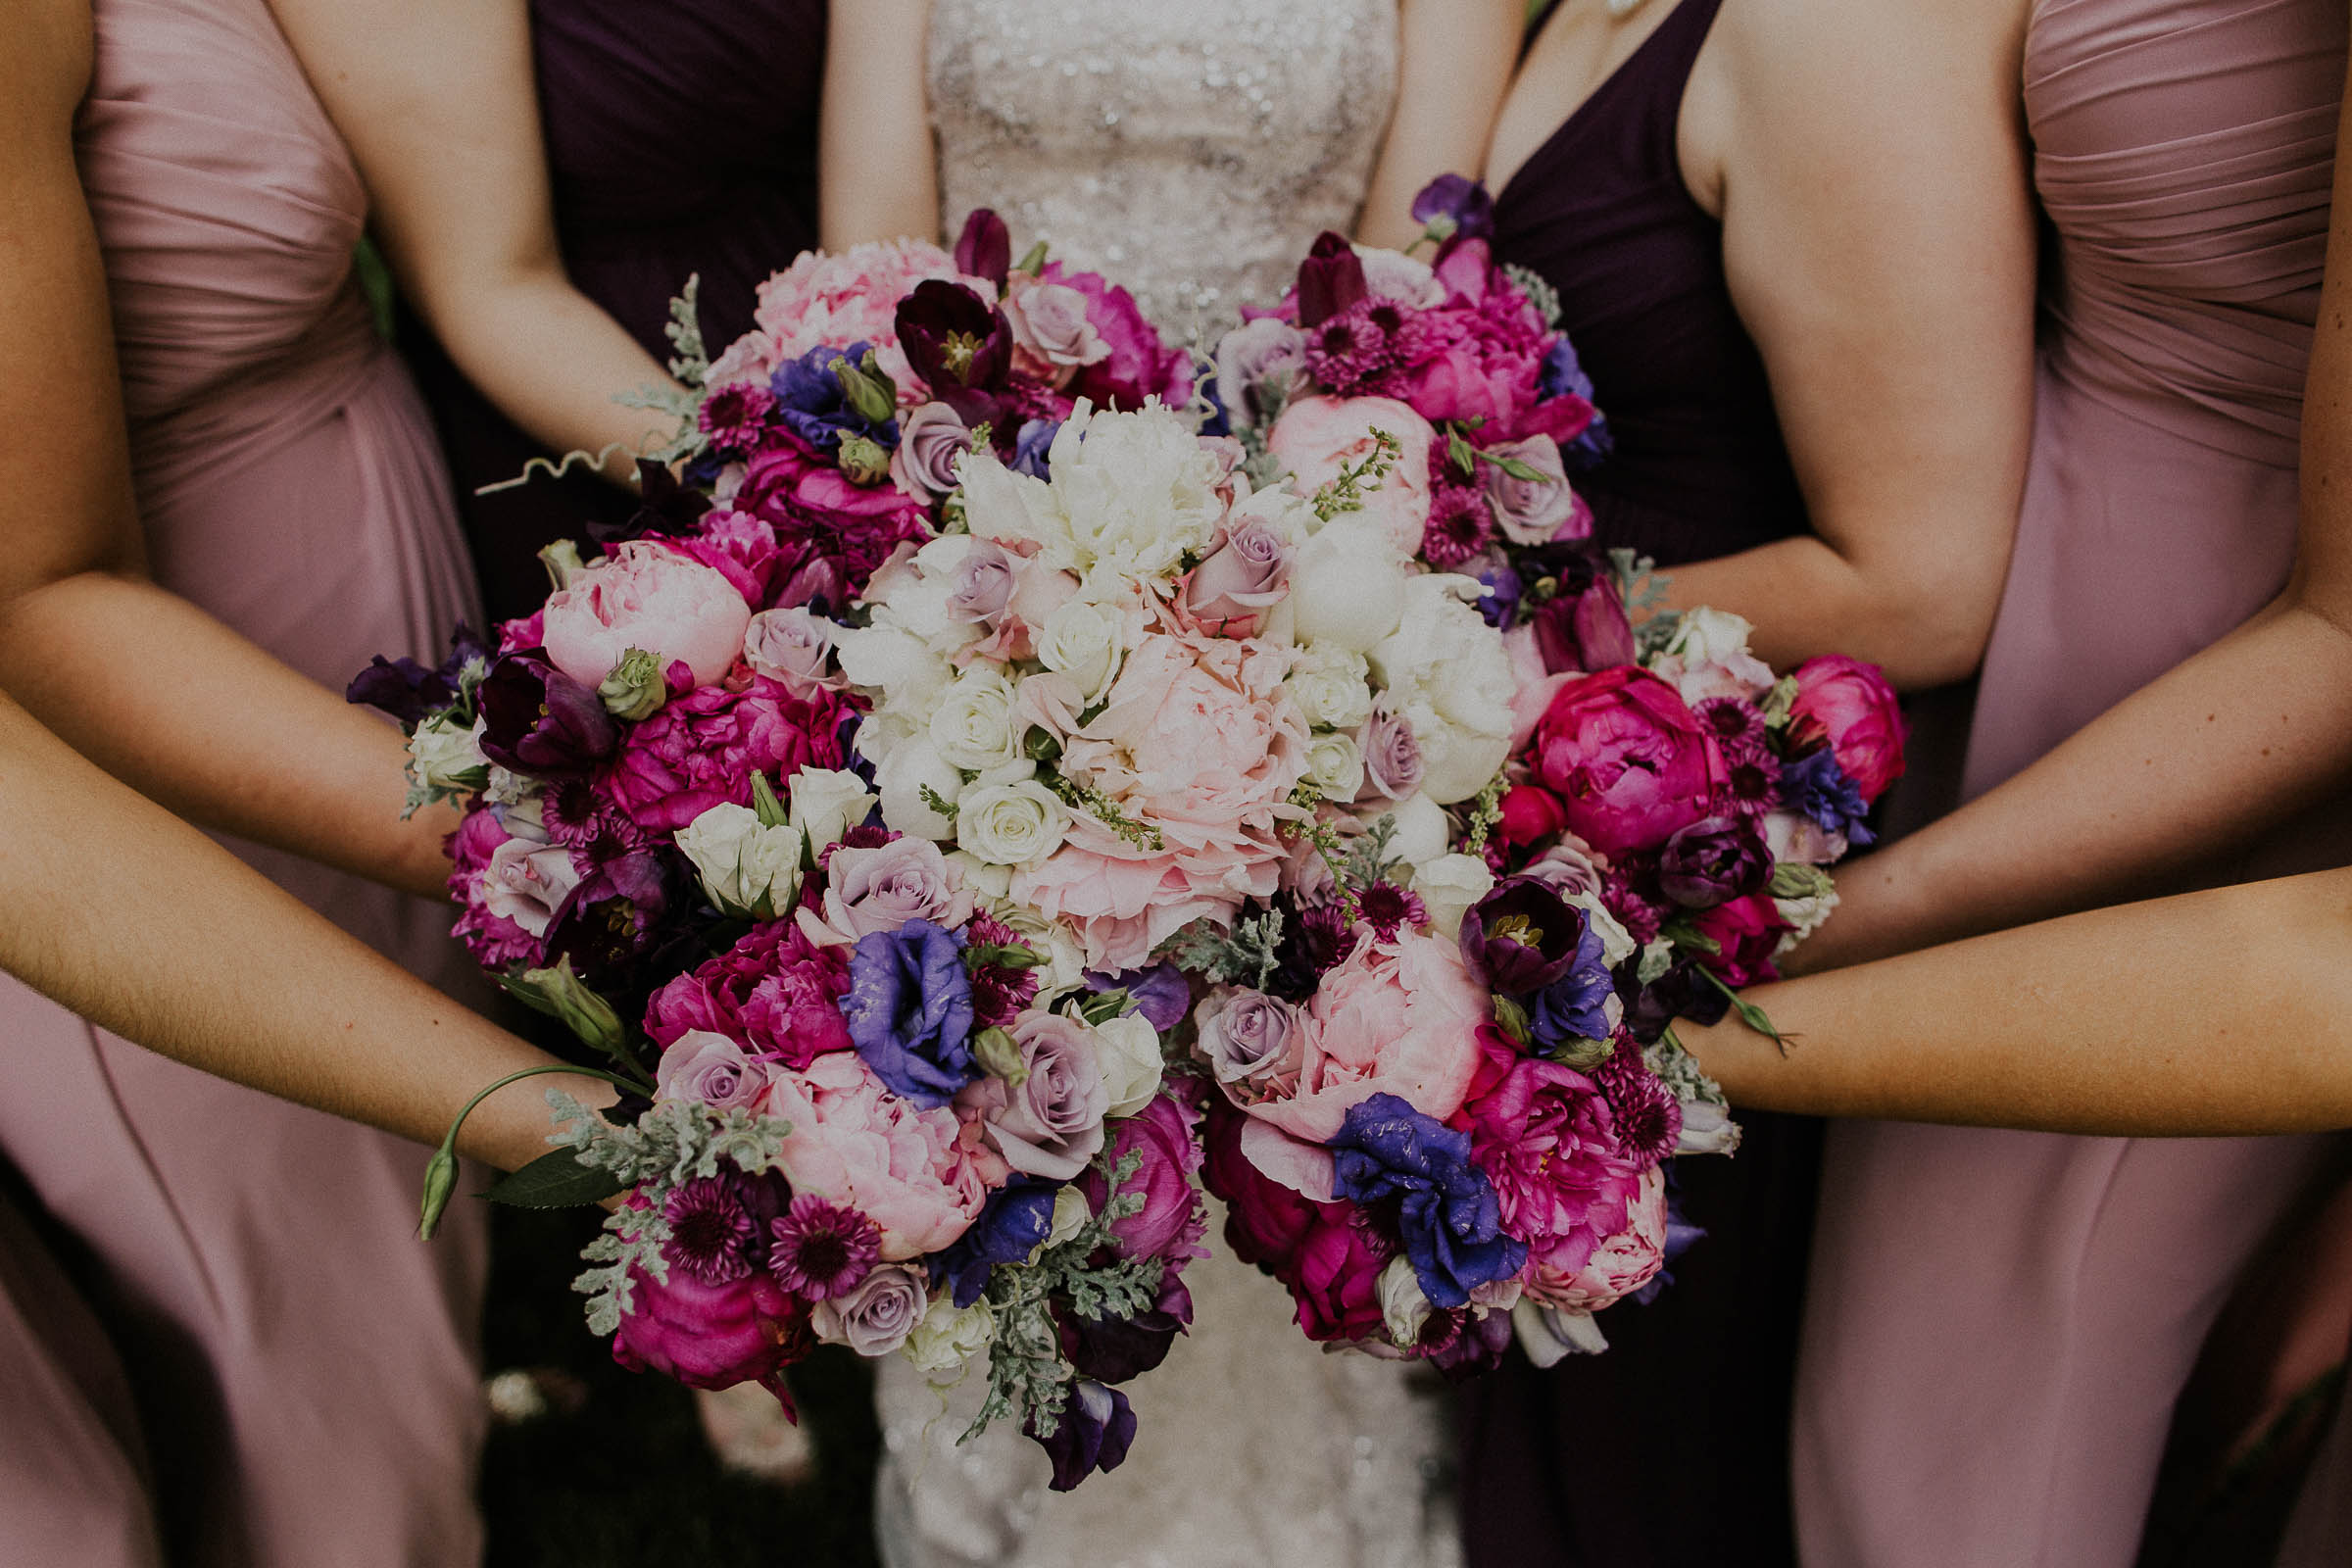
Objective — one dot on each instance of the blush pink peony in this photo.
(647, 597)
(1316, 437)
(913, 1172)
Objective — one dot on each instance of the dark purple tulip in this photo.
(960, 347)
(663, 507)
(1095, 1427)
(1460, 198)
(1713, 860)
(407, 690)
(1521, 937)
(1604, 636)
(621, 910)
(985, 248)
(537, 720)
(1115, 1350)
(1330, 280)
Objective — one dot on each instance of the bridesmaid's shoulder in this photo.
(45, 69)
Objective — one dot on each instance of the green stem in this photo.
(1749, 1014)
(441, 1171)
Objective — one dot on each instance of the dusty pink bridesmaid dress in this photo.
(303, 1370)
(1998, 1323)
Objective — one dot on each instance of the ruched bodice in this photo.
(1190, 151)
(2191, 234)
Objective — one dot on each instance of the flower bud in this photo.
(1403, 1307)
(863, 460)
(562, 563)
(440, 1181)
(865, 388)
(998, 1057)
(636, 689)
(562, 995)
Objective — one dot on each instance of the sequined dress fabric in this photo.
(1192, 151)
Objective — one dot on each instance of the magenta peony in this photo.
(1747, 931)
(774, 992)
(1628, 760)
(1139, 364)
(700, 750)
(1850, 704)
(712, 1336)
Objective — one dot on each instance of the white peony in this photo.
(1128, 1047)
(750, 871)
(893, 662)
(1015, 511)
(1010, 824)
(1348, 587)
(1138, 490)
(1421, 831)
(904, 776)
(1451, 675)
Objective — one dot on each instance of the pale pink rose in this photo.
(882, 888)
(1618, 1266)
(1400, 1017)
(1316, 437)
(643, 596)
(1051, 1125)
(795, 649)
(527, 882)
(1052, 337)
(913, 1172)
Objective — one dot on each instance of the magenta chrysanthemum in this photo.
(1353, 349)
(818, 1250)
(1733, 722)
(999, 990)
(1459, 526)
(581, 819)
(1388, 909)
(710, 1233)
(732, 417)
(1637, 915)
(1650, 1119)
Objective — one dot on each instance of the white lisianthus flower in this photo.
(1421, 831)
(1334, 764)
(1070, 1214)
(975, 726)
(826, 802)
(1332, 688)
(1449, 885)
(1616, 943)
(1804, 917)
(893, 662)
(949, 1337)
(1707, 657)
(1710, 636)
(1403, 1308)
(1082, 640)
(1550, 1334)
(749, 870)
(1348, 587)
(448, 756)
(1138, 490)
(902, 777)
(1010, 824)
(1128, 1049)
(511, 790)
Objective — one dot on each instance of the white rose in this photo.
(1081, 640)
(1616, 943)
(904, 776)
(1011, 824)
(1449, 885)
(980, 878)
(1128, 1049)
(948, 1336)
(1333, 689)
(749, 870)
(975, 726)
(826, 802)
(1070, 1214)
(1403, 1308)
(447, 756)
(1421, 832)
(1709, 636)
(1346, 586)
(1334, 764)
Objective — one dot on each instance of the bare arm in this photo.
(1868, 166)
(1455, 60)
(2227, 743)
(876, 166)
(232, 974)
(2219, 1012)
(436, 100)
(153, 689)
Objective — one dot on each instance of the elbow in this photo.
(1932, 630)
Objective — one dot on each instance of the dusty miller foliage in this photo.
(1247, 955)
(1027, 1373)
(674, 1143)
(1681, 1073)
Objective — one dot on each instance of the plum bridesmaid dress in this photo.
(234, 1353)
(1999, 1323)
(681, 141)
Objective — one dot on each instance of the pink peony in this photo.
(1850, 704)
(1619, 1265)
(713, 1336)
(1746, 931)
(647, 597)
(1335, 1277)
(700, 750)
(1628, 760)
(840, 300)
(1169, 1224)
(913, 1172)
(774, 992)
(1398, 1017)
(740, 548)
(1316, 437)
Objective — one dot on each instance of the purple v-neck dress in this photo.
(681, 141)
(1670, 1448)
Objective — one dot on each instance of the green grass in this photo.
(627, 1481)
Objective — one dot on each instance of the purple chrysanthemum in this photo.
(733, 415)
(1388, 909)
(1460, 525)
(998, 992)
(821, 1250)
(1353, 349)
(1734, 722)
(1637, 915)
(580, 818)
(1650, 1119)
(711, 1234)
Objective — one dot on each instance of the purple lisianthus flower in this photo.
(1032, 448)
(909, 1010)
(1521, 937)
(1161, 994)
(1096, 1427)
(1563, 375)
(1014, 1219)
(811, 402)
(1447, 1215)
(407, 690)
(537, 720)
(1713, 859)
(1459, 198)
(1816, 787)
(1500, 606)
(1575, 1007)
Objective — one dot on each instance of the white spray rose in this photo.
(1128, 1049)
(1449, 885)
(1334, 764)
(1082, 640)
(1617, 944)
(893, 662)
(902, 777)
(1331, 687)
(1011, 824)
(826, 802)
(1710, 636)
(749, 870)
(949, 1337)
(975, 726)
(447, 755)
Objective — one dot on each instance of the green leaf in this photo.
(770, 811)
(556, 1179)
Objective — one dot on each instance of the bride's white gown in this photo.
(1191, 149)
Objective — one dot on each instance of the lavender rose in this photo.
(882, 888)
(1245, 575)
(1053, 338)
(527, 883)
(794, 649)
(932, 437)
(1249, 359)
(1391, 756)
(1536, 510)
(711, 1069)
(983, 583)
(1051, 1125)
(875, 1316)
(1247, 1036)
